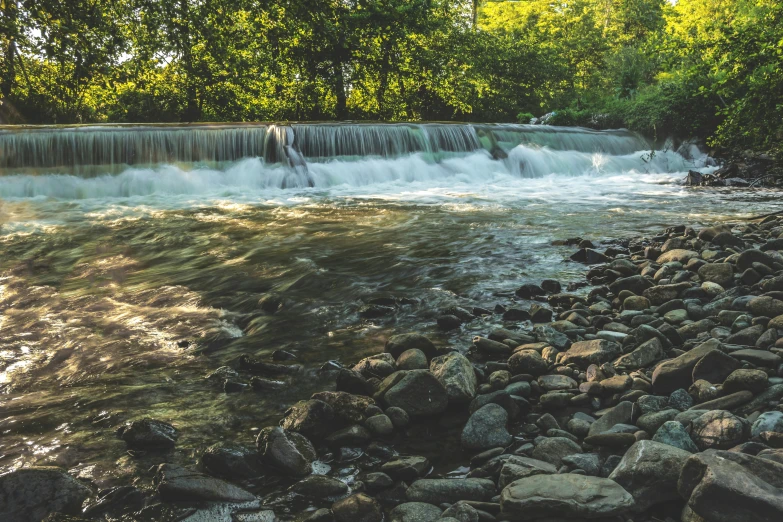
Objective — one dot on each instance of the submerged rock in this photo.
(31, 494)
(175, 483)
(149, 434)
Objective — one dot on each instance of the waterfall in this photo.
(127, 160)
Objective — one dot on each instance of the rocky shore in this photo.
(650, 392)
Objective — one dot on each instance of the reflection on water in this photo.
(119, 294)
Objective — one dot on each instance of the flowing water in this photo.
(132, 259)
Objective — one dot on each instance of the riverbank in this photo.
(642, 393)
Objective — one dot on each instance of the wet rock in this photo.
(761, 358)
(415, 512)
(725, 486)
(379, 366)
(620, 414)
(636, 284)
(351, 381)
(491, 348)
(585, 353)
(714, 367)
(516, 467)
(649, 472)
(31, 494)
(262, 384)
(357, 508)
(720, 273)
(397, 344)
(320, 486)
(413, 359)
(643, 356)
(380, 425)
(553, 449)
(486, 429)
(417, 392)
(449, 491)
(674, 434)
(348, 408)
(662, 294)
(680, 400)
(564, 496)
(176, 484)
(319, 515)
(231, 460)
(527, 362)
(677, 373)
(406, 468)
(398, 417)
(461, 512)
(377, 481)
(650, 422)
(455, 372)
(313, 418)
(149, 434)
(290, 452)
(719, 429)
(755, 381)
(540, 314)
(450, 322)
(611, 440)
(769, 421)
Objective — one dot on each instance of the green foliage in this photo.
(707, 68)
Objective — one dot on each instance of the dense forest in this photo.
(706, 68)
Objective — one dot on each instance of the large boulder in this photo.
(397, 344)
(725, 486)
(314, 419)
(565, 496)
(649, 472)
(719, 429)
(486, 429)
(769, 421)
(677, 373)
(417, 392)
(527, 362)
(178, 484)
(456, 374)
(515, 468)
(714, 367)
(449, 491)
(597, 351)
(643, 356)
(357, 508)
(288, 451)
(31, 494)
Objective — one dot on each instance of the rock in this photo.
(415, 512)
(450, 322)
(564, 496)
(636, 302)
(643, 356)
(747, 336)
(585, 353)
(765, 306)
(727, 402)
(320, 486)
(486, 429)
(769, 421)
(551, 336)
(714, 367)
(397, 344)
(557, 382)
(540, 314)
(677, 373)
(353, 382)
(449, 491)
(230, 460)
(750, 256)
(357, 508)
(674, 434)
(398, 416)
(719, 429)
(662, 294)
(491, 348)
(527, 362)
(413, 359)
(319, 515)
(590, 463)
(149, 434)
(352, 436)
(31, 494)
(378, 366)
(652, 403)
(314, 418)
(758, 357)
(636, 284)
(348, 408)
(649, 472)
(650, 422)
(724, 486)
(553, 449)
(417, 392)
(455, 372)
(720, 273)
(680, 400)
(611, 440)
(517, 467)
(177, 484)
(288, 451)
(380, 425)
(406, 468)
(258, 367)
(461, 512)
(762, 400)
(620, 414)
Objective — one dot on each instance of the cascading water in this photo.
(118, 161)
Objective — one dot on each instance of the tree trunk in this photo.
(341, 110)
(192, 111)
(475, 13)
(10, 13)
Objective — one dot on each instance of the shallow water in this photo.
(119, 293)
